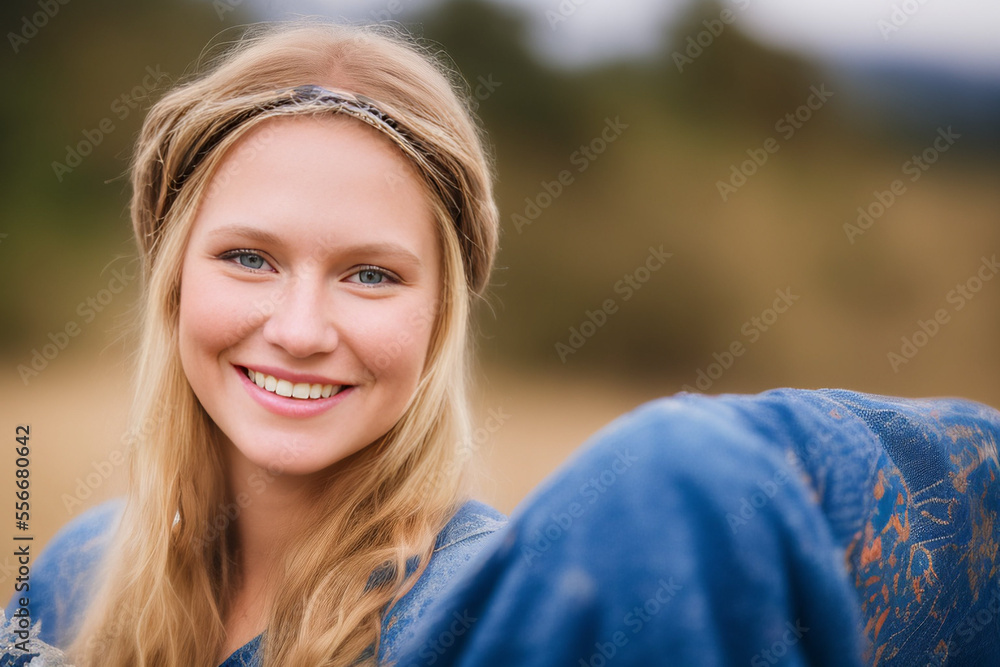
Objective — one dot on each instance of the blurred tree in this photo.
(710, 69)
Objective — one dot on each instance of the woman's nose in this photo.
(301, 322)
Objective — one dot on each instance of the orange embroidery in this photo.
(871, 553)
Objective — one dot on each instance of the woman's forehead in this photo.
(323, 178)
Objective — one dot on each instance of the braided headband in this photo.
(229, 114)
(354, 105)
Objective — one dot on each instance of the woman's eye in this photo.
(248, 259)
(372, 276)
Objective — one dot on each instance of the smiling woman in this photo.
(314, 215)
(342, 291)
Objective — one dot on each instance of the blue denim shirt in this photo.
(826, 528)
(63, 574)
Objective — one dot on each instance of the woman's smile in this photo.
(289, 385)
(292, 400)
(298, 277)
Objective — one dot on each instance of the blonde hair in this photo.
(162, 598)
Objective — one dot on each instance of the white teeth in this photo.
(301, 390)
(284, 388)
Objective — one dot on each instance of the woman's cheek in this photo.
(225, 314)
(398, 342)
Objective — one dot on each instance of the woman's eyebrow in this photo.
(385, 250)
(248, 232)
(379, 249)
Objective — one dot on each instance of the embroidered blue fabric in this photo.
(63, 572)
(792, 527)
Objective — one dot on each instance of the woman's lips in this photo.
(291, 389)
(296, 399)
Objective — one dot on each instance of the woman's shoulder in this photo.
(61, 577)
(472, 522)
(466, 534)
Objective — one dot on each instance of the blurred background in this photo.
(701, 196)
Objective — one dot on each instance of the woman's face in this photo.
(309, 289)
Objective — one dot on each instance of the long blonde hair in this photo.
(162, 598)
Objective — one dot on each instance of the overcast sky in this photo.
(960, 34)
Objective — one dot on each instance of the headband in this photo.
(355, 105)
(232, 113)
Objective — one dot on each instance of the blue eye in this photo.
(248, 259)
(251, 261)
(373, 276)
(370, 276)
